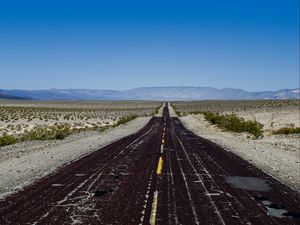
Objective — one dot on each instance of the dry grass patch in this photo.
(234, 123)
(287, 130)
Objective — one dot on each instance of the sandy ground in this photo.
(278, 155)
(18, 117)
(23, 163)
(21, 126)
(273, 119)
(172, 111)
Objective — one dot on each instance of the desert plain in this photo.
(97, 124)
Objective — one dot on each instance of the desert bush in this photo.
(125, 119)
(287, 130)
(41, 114)
(234, 123)
(7, 140)
(155, 111)
(56, 132)
(232, 105)
(103, 128)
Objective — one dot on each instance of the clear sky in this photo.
(248, 44)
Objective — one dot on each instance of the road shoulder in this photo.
(23, 163)
(274, 157)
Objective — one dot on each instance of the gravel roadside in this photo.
(278, 155)
(23, 163)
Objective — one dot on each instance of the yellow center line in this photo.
(158, 172)
(154, 209)
(159, 166)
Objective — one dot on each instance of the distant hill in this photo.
(12, 97)
(150, 93)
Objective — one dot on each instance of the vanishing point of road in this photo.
(163, 174)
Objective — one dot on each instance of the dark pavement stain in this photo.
(248, 183)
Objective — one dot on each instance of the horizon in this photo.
(121, 90)
(253, 46)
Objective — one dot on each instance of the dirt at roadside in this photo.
(278, 155)
(23, 163)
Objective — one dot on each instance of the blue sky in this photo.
(251, 44)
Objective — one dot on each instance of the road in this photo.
(163, 174)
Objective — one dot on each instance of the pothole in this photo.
(292, 215)
(276, 210)
(103, 193)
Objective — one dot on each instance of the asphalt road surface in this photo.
(163, 174)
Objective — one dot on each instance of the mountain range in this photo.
(150, 93)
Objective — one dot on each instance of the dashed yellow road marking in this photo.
(158, 172)
(159, 166)
(154, 209)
